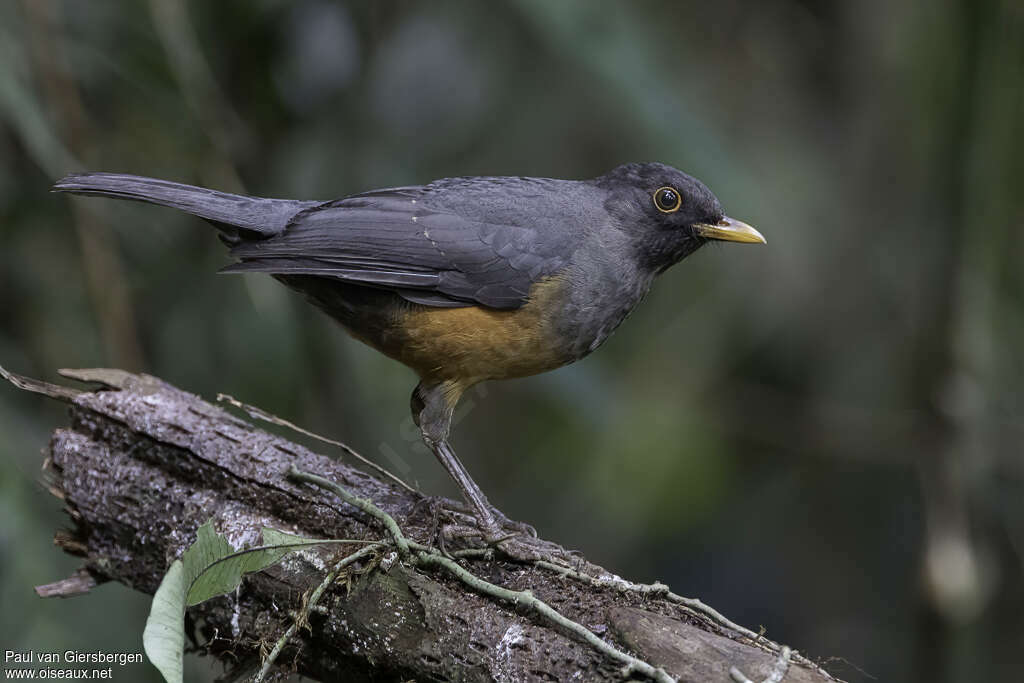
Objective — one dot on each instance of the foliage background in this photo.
(822, 436)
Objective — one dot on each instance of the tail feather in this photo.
(228, 212)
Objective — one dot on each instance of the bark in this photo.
(143, 464)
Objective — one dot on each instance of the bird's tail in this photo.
(231, 213)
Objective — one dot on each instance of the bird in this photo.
(463, 279)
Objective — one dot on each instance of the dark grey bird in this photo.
(464, 279)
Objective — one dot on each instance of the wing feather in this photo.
(472, 241)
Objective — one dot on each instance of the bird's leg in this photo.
(432, 409)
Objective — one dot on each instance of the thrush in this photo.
(463, 279)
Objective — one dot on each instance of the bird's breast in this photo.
(565, 317)
(601, 293)
(473, 343)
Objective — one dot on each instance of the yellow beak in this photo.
(731, 230)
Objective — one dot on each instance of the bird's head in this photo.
(670, 213)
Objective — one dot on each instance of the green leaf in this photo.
(222, 573)
(208, 568)
(274, 537)
(164, 637)
(201, 556)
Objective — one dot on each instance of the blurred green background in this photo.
(822, 436)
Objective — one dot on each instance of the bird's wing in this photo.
(439, 245)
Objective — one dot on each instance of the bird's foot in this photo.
(510, 543)
(511, 526)
(443, 511)
(452, 526)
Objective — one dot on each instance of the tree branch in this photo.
(143, 464)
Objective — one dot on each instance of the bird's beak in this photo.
(731, 230)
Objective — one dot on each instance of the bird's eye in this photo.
(667, 199)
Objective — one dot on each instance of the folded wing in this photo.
(422, 243)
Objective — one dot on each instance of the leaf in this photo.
(223, 573)
(164, 636)
(277, 537)
(208, 568)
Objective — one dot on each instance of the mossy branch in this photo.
(142, 465)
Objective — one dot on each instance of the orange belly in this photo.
(472, 344)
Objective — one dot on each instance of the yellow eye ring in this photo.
(667, 199)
